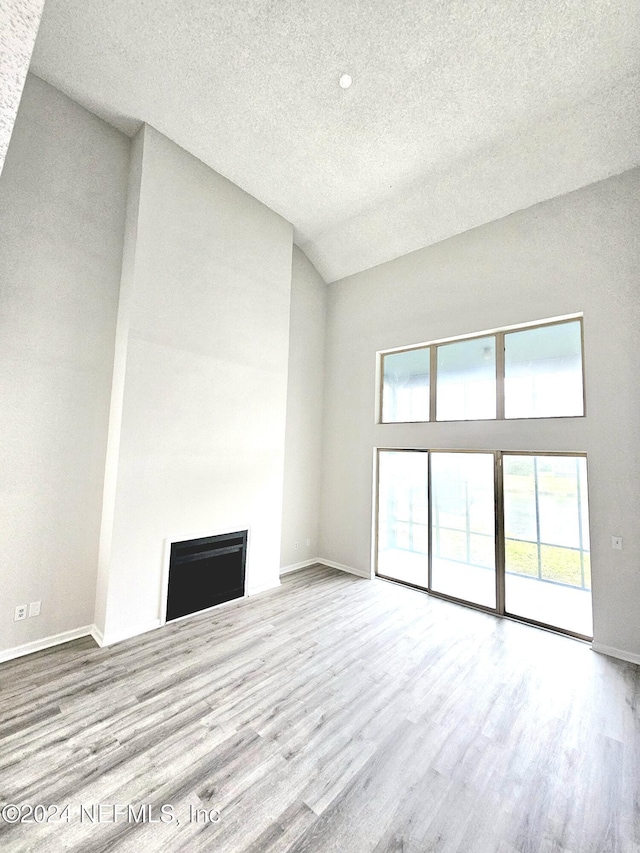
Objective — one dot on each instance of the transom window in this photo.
(527, 372)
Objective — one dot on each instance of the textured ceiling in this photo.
(19, 21)
(459, 112)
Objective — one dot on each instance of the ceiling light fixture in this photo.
(345, 81)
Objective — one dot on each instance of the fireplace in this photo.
(205, 572)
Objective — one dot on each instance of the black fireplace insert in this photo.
(205, 572)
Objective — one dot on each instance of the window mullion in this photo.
(500, 376)
(433, 377)
(500, 540)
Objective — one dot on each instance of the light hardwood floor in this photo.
(333, 714)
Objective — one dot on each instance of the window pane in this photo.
(558, 487)
(463, 526)
(466, 380)
(450, 544)
(405, 386)
(548, 577)
(483, 550)
(520, 510)
(522, 557)
(543, 372)
(403, 533)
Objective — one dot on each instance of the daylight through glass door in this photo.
(403, 516)
(508, 532)
(463, 526)
(546, 528)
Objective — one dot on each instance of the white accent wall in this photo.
(303, 446)
(200, 386)
(578, 252)
(62, 205)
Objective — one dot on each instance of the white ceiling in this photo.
(460, 112)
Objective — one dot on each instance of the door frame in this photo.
(500, 548)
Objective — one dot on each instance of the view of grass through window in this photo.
(547, 569)
(547, 540)
(559, 564)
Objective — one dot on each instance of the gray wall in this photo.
(303, 447)
(204, 339)
(578, 252)
(62, 204)
(198, 395)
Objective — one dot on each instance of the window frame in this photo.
(499, 335)
(500, 540)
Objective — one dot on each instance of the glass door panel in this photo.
(403, 516)
(546, 526)
(463, 526)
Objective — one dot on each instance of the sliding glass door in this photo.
(546, 529)
(463, 526)
(508, 532)
(403, 516)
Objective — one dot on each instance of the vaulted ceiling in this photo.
(459, 113)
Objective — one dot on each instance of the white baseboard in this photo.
(621, 654)
(97, 635)
(295, 567)
(45, 643)
(117, 637)
(343, 568)
(109, 639)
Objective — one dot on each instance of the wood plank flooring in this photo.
(333, 714)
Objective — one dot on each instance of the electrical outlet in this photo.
(20, 613)
(34, 608)
(295, 546)
(616, 543)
